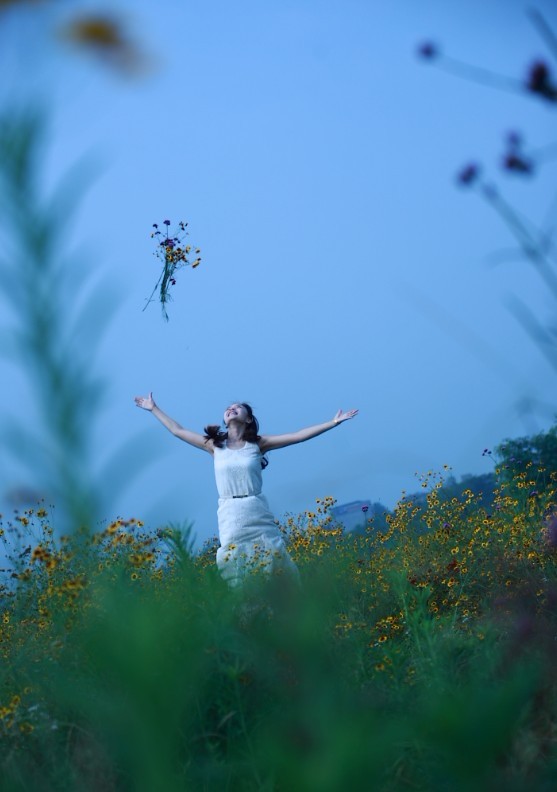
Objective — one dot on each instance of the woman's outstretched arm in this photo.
(193, 438)
(270, 442)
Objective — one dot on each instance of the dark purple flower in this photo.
(169, 243)
(539, 81)
(365, 509)
(538, 75)
(428, 50)
(515, 162)
(173, 281)
(533, 494)
(167, 222)
(155, 225)
(468, 175)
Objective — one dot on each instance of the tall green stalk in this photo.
(55, 326)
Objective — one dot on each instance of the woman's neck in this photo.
(235, 433)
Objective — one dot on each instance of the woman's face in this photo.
(236, 412)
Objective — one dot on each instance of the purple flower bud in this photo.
(365, 509)
(539, 81)
(155, 225)
(428, 50)
(514, 162)
(468, 175)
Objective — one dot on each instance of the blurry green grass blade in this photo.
(21, 138)
(133, 456)
(69, 192)
(24, 443)
(546, 343)
(8, 343)
(90, 319)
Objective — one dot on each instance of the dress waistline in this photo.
(233, 497)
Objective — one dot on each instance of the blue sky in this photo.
(314, 157)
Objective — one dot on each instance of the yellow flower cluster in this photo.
(41, 554)
(177, 255)
(11, 716)
(7, 711)
(444, 555)
(57, 574)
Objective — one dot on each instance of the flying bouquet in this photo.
(174, 255)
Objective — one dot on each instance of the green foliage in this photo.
(528, 459)
(483, 486)
(407, 660)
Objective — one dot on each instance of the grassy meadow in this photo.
(422, 657)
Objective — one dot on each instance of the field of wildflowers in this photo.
(420, 657)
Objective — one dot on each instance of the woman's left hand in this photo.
(344, 416)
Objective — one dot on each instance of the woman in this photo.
(249, 537)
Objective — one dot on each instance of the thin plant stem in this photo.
(529, 246)
(543, 28)
(479, 75)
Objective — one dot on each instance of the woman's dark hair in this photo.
(251, 433)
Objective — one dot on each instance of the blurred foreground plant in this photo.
(57, 320)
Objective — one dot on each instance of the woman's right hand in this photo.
(145, 402)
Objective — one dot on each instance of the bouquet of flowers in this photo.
(174, 255)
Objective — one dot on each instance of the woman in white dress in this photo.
(249, 537)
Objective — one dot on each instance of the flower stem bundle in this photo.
(174, 254)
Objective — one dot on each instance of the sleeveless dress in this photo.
(250, 540)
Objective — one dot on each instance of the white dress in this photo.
(249, 537)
